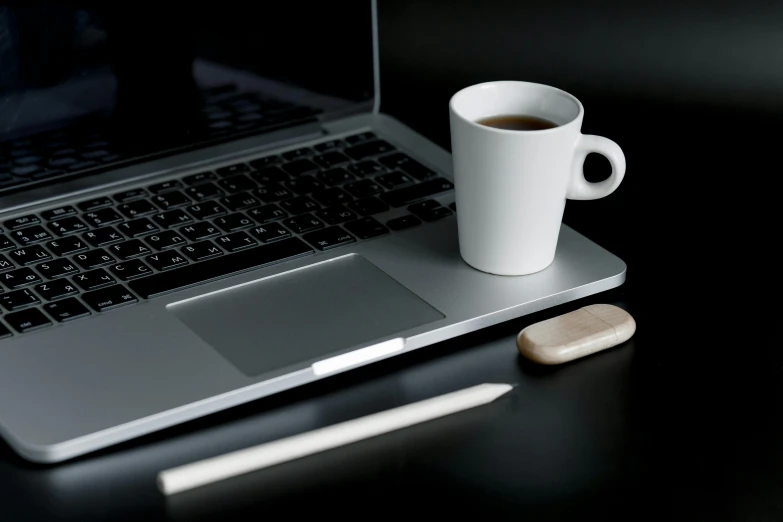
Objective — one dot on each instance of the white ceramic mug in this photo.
(511, 186)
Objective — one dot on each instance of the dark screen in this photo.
(146, 77)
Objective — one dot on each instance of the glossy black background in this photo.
(680, 423)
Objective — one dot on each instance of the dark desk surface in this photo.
(655, 429)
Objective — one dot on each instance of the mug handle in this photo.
(579, 187)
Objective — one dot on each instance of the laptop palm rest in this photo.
(299, 317)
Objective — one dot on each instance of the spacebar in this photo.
(223, 266)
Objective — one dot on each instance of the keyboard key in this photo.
(407, 195)
(166, 260)
(238, 168)
(130, 195)
(365, 168)
(304, 185)
(236, 184)
(335, 215)
(233, 222)
(18, 299)
(165, 240)
(394, 179)
(94, 204)
(166, 186)
(423, 206)
(303, 223)
(13, 224)
(270, 232)
(297, 154)
(260, 163)
(30, 235)
(66, 310)
(129, 250)
(172, 218)
(368, 206)
(435, 214)
(137, 208)
(102, 217)
(366, 228)
(4, 331)
(356, 138)
(270, 175)
(67, 226)
(328, 145)
(407, 164)
(201, 251)
(300, 205)
(329, 238)
(204, 191)
(138, 227)
(299, 167)
(369, 148)
(93, 259)
(67, 246)
(29, 255)
(272, 193)
(330, 159)
(27, 320)
(266, 213)
(93, 279)
(235, 242)
(201, 177)
(20, 278)
(401, 223)
(199, 231)
(130, 270)
(98, 238)
(5, 264)
(171, 200)
(59, 212)
(239, 202)
(57, 289)
(336, 176)
(204, 211)
(332, 196)
(364, 188)
(264, 255)
(109, 298)
(57, 268)
(6, 243)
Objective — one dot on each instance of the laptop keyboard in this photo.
(95, 255)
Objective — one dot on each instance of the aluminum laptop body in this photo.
(336, 246)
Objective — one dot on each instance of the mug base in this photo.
(508, 273)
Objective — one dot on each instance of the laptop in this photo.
(199, 209)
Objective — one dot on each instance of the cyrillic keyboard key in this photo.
(102, 217)
(56, 289)
(27, 320)
(201, 251)
(66, 310)
(407, 195)
(199, 231)
(130, 269)
(235, 242)
(93, 279)
(270, 232)
(29, 255)
(366, 228)
(108, 298)
(166, 260)
(328, 238)
(220, 267)
(57, 268)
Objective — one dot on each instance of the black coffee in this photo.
(518, 122)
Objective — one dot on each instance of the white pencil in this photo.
(243, 461)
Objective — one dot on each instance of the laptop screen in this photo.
(88, 85)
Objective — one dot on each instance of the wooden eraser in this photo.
(576, 334)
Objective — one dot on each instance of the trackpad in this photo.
(299, 317)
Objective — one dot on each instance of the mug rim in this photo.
(573, 98)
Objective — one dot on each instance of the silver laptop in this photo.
(198, 210)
